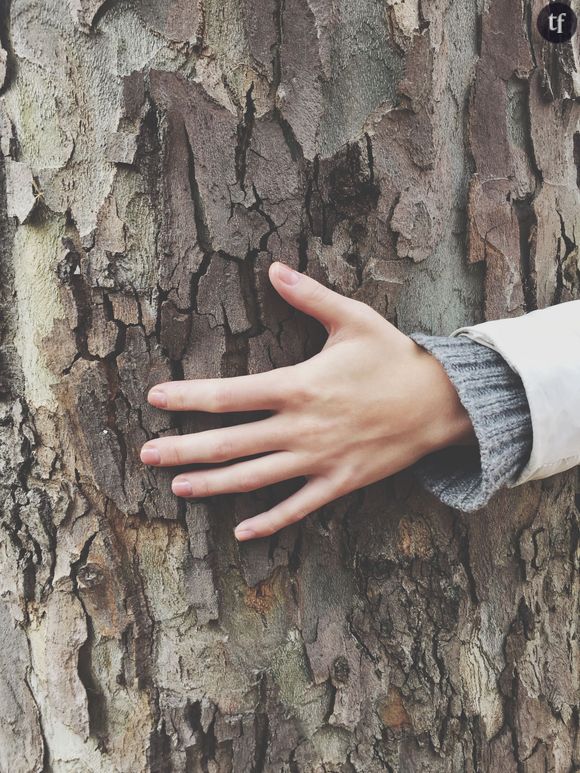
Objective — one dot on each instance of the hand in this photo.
(369, 404)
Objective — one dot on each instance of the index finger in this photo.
(259, 391)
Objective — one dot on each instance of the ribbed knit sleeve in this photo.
(466, 477)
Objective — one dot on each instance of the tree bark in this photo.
(422, 156)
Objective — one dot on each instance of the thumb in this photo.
(311, 297)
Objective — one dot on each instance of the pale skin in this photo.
(369, 404)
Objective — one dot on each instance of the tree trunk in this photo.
(422, 156)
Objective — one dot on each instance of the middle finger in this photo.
(216, 445)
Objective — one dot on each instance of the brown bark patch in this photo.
(414, 539)
(393, 713)
(260, 597)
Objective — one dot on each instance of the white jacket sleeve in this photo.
(543, 347)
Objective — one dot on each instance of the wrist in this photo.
(446, 421)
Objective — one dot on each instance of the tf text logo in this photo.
(557, 22)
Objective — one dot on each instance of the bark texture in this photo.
(420, 155)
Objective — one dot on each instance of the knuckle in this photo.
(202, 487)
(341, 482)
(309, 431)
(248, 481)
(319, 292)
(178, 455)
(268, 529)
(180, 395)
(300, 392)
(222, 450)
(221, 398)
(284, 384)
(362, 312)
(176, 397)
(295, 516)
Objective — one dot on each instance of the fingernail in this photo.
(288, 275)
(150, 456)
(242, 534)
(182, 488)
(157, 398)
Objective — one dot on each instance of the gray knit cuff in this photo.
(465, 477)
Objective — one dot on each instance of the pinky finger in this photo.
(314, 494)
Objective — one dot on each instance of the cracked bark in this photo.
(156, 157)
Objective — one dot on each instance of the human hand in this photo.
(371, 403)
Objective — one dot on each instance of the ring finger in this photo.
(242, 476)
